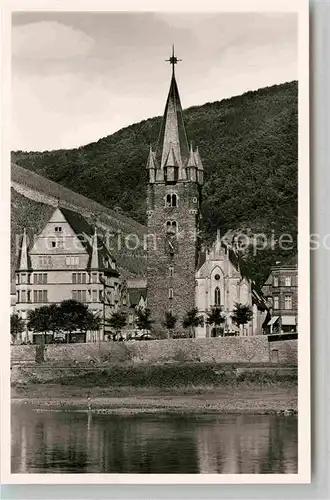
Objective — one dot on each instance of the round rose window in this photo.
(217, 277)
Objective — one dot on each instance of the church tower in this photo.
(173, 209)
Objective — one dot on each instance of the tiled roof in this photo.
(258, 297)
(172, 132)
(81, 227)
(77, 222)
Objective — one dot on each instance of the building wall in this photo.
(219, 350)
(183, 262)
(276, 287)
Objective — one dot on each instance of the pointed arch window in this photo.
(171, 200)
(171, 226)
(217, 297)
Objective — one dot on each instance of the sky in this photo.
(78, 77)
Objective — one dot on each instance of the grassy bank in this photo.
(184, 388)
(170, 376)
(246, 398)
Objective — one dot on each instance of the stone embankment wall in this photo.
(218, 350)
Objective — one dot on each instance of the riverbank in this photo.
(239, 398)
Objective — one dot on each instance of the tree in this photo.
(90, 322)
(192, 320)
(54, 317)
(44, 319)
(117, 321)
(144, 321)
(16, 326)
(72, 316)
(216, 317)
(242, 314)
(170, 321)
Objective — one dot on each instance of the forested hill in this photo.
(248, 146)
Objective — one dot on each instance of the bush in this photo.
(173, 376)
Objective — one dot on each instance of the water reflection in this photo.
(73, 442)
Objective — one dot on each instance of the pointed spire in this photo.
(198, 160)
(218, 244)
(151, 159)
(172, 129)
(23, 262)
(171, 160)
(191, 161)
(95, 251)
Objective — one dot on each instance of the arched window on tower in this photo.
(171, 200)
(217, 297)
(171, 226)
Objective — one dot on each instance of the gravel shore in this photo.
(129, 401)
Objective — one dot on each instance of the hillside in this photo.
(33, 200)
(249, 149)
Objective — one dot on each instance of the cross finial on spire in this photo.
(173, 59)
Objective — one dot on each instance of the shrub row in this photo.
(165, 376)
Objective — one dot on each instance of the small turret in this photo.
(200, 168)
(151, 165)
(95, 251)
(171, 166)
(23, 261)
(191, 166)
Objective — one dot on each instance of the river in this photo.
(76, 442)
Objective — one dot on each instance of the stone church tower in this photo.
(173, 209)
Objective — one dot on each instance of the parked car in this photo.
(147, 336)
(142, 336)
